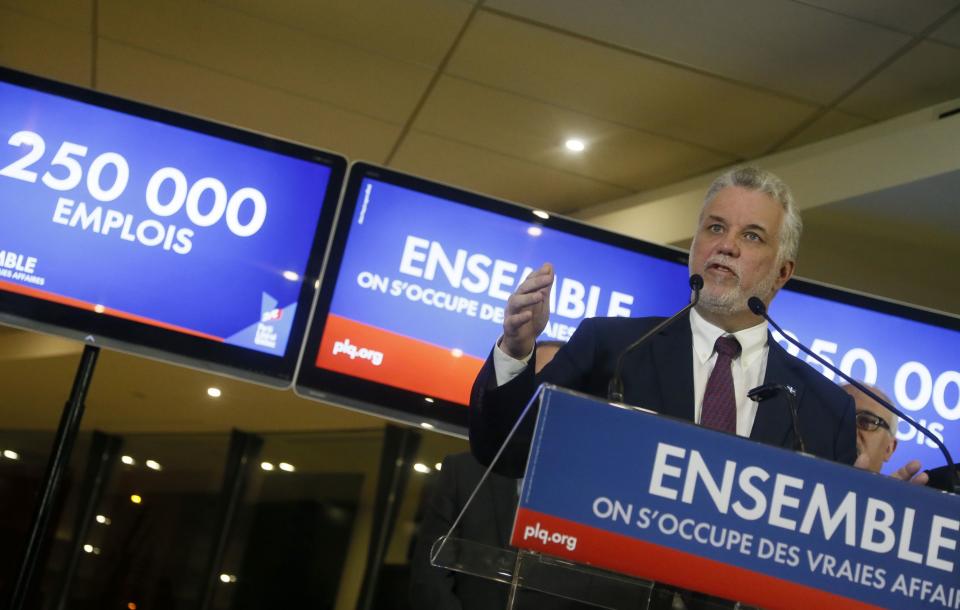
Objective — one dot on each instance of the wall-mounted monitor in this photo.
(158, 233)
(419, 273)
(418, 278)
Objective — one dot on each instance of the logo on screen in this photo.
(272, 316)
(353, 352)
(19, 267)
(269, 312)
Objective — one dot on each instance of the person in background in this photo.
(877, 436)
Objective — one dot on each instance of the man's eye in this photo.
(750, 235)
(715, 228)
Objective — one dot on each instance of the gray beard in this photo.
(734, 300)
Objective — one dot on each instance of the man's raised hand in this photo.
(528, 310)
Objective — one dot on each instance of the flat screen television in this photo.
(157, 233)
(419, 273)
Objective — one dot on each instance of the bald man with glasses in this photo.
(877, 436)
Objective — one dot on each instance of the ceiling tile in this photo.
(194, 90)
(419, 31)
(949, 32)
(833, 123)
(780, 45)
(902, 15)
(66, 52)
(75, 14)
(497, 175)
(534, 131)
(929, 74)
(271, 55)
(624, 88)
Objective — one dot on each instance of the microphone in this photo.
(615, 386)
(769, 390)
(757, 307)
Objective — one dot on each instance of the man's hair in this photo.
(756, 179)
(894, 421)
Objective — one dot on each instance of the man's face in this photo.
(735, 250)
(880, 443)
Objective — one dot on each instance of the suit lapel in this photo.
(774, 424)
(672, 358)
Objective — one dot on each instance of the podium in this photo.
(621, 508)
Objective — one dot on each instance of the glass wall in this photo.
(167, 505)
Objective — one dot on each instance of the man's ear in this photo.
(891, 448)
(785, 273)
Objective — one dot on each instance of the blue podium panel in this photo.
(666, 500)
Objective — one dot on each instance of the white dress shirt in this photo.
(748, 369)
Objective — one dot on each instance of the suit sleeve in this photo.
(432, 588)
(495, 410)
(845, 444)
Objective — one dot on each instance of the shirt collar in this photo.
(752, 340)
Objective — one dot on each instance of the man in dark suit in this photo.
(701, 368)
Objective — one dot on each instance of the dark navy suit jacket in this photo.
(657, 376)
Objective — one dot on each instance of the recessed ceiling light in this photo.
(426, 425)
(11, 455)
(152, 465)
(129, 461)
(428, 399)
(541, 214)
(575, 145)
(266, 466)
(438, 466)
(136, 499)
(214, 392)
(534, 231)
(286, 467)
(421, 468)
(99, 308)
(293, 276)
(456, 352)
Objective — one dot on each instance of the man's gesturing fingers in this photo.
(527, 312)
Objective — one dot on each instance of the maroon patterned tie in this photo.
(719, 401)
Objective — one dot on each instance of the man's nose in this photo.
(728, 245)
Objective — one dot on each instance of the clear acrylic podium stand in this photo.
(521, 569)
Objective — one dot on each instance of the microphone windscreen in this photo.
(756, 306)
(696, 282)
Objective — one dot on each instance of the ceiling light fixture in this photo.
(214, 392)
(575, 145)
(421, 468)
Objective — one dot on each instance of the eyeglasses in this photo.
(868, 422)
